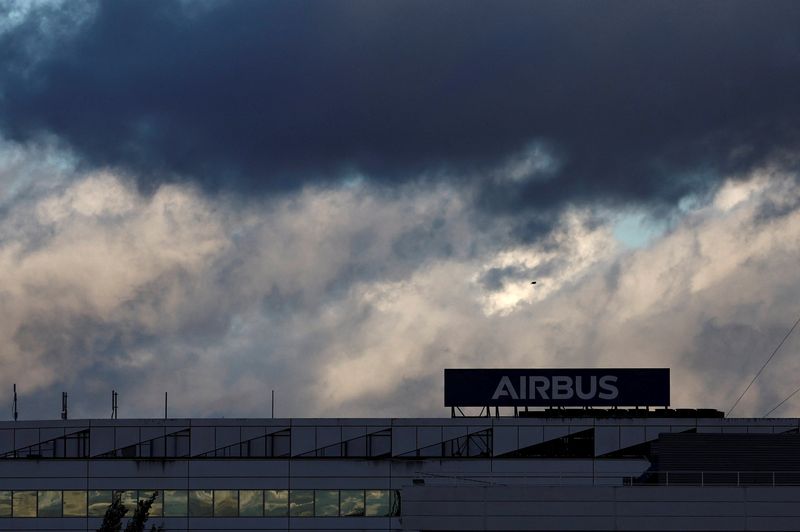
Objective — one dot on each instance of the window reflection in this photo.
(352, 503)
(201, 503)
(394, 502)
(24, 504)
(129, 499)
(5, 504)
(49, 504)
(301, 503)
(175, 503)
(251, 503)
(157, 508)
(74, 504)
(326, 503)
(204, 503)
(377, 503)
(99, 500)
(276, 503)
(226, 503)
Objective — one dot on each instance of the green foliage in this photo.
(140, 514)
(112, 521)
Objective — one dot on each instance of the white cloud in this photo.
(351, 301)
(574, 247)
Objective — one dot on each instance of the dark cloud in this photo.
(639, 101)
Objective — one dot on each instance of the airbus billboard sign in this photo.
(556, 387)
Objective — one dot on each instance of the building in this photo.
(553, 469)
(486, 473)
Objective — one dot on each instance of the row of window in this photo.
(205, 503)
(274, 445)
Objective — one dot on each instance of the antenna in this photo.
(166, 397)
(273, 404)
(63, 405)
(114, 396)
(788, 334)
(16, 414)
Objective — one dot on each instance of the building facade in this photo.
(463, 473)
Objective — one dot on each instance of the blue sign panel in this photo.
(556, 387)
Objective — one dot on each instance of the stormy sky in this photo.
(337, 200)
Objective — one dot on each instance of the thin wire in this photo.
(764, 366)
(781, 403)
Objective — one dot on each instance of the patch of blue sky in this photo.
(691, 202)
(636, 230)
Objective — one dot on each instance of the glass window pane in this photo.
(75, 503)
(251, 503)
(99, 501)
(201, 503)
(158, 503)
(5, 504)
(226, 503)
(129, 498)
(352, 502)
(49, 504)
(276, 503)
(24, 504)
(326, 503)
(301, 503)
(377, 503)
(395, 502)
(175, 503)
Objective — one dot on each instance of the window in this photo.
(326, 503)
(24, 504)
(394, 502)
(177, 444)
(5, 504)
(129, 499)
(204, 503)
(251, 503)
(98, 502)
(157, 509)
(276, 503)
(49, 504)
(74, 504)
(380, 443)
(356, 447)
(201, 503)
(352, 503)
(377, 503)
(279, 444)
(175, 503)
(226, 503)
(301, 503)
